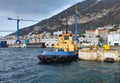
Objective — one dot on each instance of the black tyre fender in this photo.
(109, 60)
(48, 59)
(55, 58)
(61, 59)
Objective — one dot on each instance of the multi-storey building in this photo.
(101, 32)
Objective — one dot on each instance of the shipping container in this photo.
(3, 44)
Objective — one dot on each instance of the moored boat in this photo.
(64, 51)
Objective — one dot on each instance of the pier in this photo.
(99, 54)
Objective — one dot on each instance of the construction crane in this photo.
(17, 33)
(76, 24)
(76, 15)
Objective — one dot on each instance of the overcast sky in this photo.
(31, 10)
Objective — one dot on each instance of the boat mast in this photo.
(66, 30)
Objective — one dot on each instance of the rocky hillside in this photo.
(92, 14)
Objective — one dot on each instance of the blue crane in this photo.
(76, 20)
(17, 33)
(76, 25)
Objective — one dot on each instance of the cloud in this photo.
(30, 9)
(33, 7)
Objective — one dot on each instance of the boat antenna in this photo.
(66, 22)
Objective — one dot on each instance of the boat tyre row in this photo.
(58, 59)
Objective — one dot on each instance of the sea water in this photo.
(21, 65)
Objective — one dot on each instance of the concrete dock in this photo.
(99, 55)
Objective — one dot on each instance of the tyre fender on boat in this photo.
(54, 58)
(41, 57)
(68, 58)
(48, 59)
(62, 58)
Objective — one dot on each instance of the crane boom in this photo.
(22, 19)
(28, 20)
(12, 19)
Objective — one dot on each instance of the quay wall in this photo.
(98, 55)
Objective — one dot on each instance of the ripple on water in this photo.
(20, 65)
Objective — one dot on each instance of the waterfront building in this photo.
(49, 41)
(114, 39)
(86, 41)
(101, 32)
(57, 33)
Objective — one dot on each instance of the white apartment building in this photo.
(101, 32)
(88, 41)
(57, 33)
(49, 42)
(114, 39)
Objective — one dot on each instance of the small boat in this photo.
(64, 51)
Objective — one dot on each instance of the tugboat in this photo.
(65, 50)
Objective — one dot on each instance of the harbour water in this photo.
(20, 65)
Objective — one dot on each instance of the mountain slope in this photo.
(92, 14)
